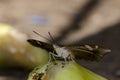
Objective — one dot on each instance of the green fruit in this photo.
(15, 51)
(63, 71)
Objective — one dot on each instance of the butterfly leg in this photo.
(70, 57)
(65, 60)
(52, 57)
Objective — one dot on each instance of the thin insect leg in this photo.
(50, 59)
(53, 56)
(65, 60)
(71, 57)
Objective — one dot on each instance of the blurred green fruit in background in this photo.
(15, 51)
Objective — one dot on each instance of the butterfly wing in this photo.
(92, 53)
(88, 52)
(41, 44)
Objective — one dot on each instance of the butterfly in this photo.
(86, 52)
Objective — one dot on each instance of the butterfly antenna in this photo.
(41, 35)
(51, 37)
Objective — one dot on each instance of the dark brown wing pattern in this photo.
(41, 44)
(92, 53)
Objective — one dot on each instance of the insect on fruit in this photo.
(56, 50)
(86, 52)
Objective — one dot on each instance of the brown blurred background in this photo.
(70, 22)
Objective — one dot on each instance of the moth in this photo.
(86, 52)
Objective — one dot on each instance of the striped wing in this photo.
(92, 53)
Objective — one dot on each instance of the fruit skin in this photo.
(67, 71)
